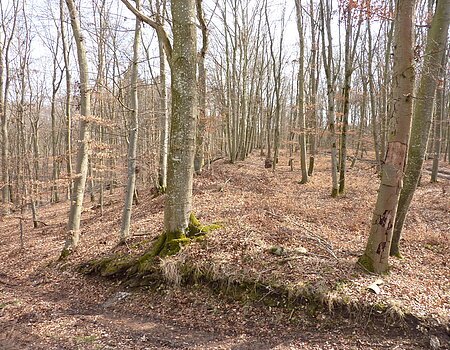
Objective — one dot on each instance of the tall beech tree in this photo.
(438, 118)
(183, 63)
(423, 108)
(201, 118)
(375, 257)
(301, 93)
(8, 26)
(134, 127)
(331, 72)
(81, 168)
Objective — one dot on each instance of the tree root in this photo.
(130, 267)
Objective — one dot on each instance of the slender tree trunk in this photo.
(348, 71)
(4, 89)
(77, 198)
(134, 128)
(301, 94)
(438, 118)
(314, 79)
(201, 121)
(327, 53)
(68, 100)
(164, 116)
(375, 257)
(423, 106)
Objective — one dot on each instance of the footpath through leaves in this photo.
(278, 237)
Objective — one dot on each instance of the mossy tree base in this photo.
(167, 244)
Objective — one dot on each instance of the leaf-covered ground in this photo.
(275, 232)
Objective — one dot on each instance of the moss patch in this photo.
(166, 244)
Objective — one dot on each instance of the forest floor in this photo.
(293, 243)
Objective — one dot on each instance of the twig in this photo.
(224, 184)
(322, 241)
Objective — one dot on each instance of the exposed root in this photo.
(148, 264)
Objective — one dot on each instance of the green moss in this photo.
(397, 255)
(366, 263)
(166, 244)
(85, 339)
(173, 246)
(116, 265)
(195, 228)
(64, 254)
(380, 306)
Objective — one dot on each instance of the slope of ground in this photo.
(275, 232)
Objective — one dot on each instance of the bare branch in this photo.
(162, 35)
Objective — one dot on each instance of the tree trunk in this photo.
(314, 81)
(438, 118)
(67, 101)
(178, 204)
(423, 106)
(134, 128)
(5, 82)
(76, 204)
(327, 53)
(375, 257)
(201, 121)
(301, 94)
(164, 117)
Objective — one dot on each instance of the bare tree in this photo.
(77, 198)
(134, 127)
(375, 257)
(435, 48)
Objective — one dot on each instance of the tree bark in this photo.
(134, 128)
(327, 54)
(76, 203)
(164, 117)
(182, 134)
(423, 106)
(375, 257)
(201, 119)
(301, 94)
(438, 118)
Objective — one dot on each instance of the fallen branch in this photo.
(314, 236)
(221, 188)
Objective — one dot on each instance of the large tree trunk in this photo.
(134, 127)
(76, 203)
(423, 107)
(375, 257)
(178, 204)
